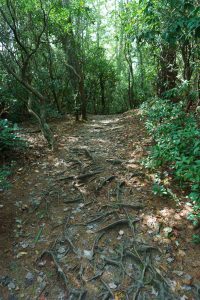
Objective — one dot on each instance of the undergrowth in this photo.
(177, 146)
(9, 142)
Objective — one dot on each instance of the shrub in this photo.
(9, 141)
(177, 143)
(8, 138)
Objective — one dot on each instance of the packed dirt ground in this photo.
(81, 222)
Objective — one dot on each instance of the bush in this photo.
(4, 173)
(177, 142)
(8, 138)
(9, 141)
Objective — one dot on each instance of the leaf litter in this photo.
(87, 222)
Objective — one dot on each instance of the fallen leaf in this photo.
(20, 254)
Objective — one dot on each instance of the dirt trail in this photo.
(82, 222)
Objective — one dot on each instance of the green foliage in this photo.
(177, 143)
(4, 173)
(8, 138)
(196, 238)
(9, 141)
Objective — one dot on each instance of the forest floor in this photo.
(82, 222)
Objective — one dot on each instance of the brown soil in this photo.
(84, 222)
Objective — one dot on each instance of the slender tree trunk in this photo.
(102, 89)
(168, 71)
(186, 51)
(83, 98)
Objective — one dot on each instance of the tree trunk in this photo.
(168, 71)
(41, 100)
(82, 98)
(102, 89)
(45, 129)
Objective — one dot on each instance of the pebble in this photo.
(88, 254)
(186, 287)
(11, 286)
(42, 263)
(170, 259)
(61, 250)
(24, 244)
(29, 278)
(89, 231)
(187, 279)
(112, 285)
(178, 273)
(157, 258)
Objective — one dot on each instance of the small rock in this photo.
(42, 263)
(90, 226)
(62, 296)
(154, 292)
(24, 244)
(157, 258)
(181, 253)
(89, 231)
(179, 273)
(167, 231)
(184, 297)
(177, 243)
(88, 254)
(29, 279)
(112, 285)
(187, 279)
(170, 259)
(62, 250)
(1, 205)
(186, 287)
(11, 286)
(59, 256)
(5, 280)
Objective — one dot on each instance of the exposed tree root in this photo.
(116, 223)
(58, 267)
(126, 205)
(106, 181)
(101, 216)
(108, 289)
(80, 177)
(89, 155)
